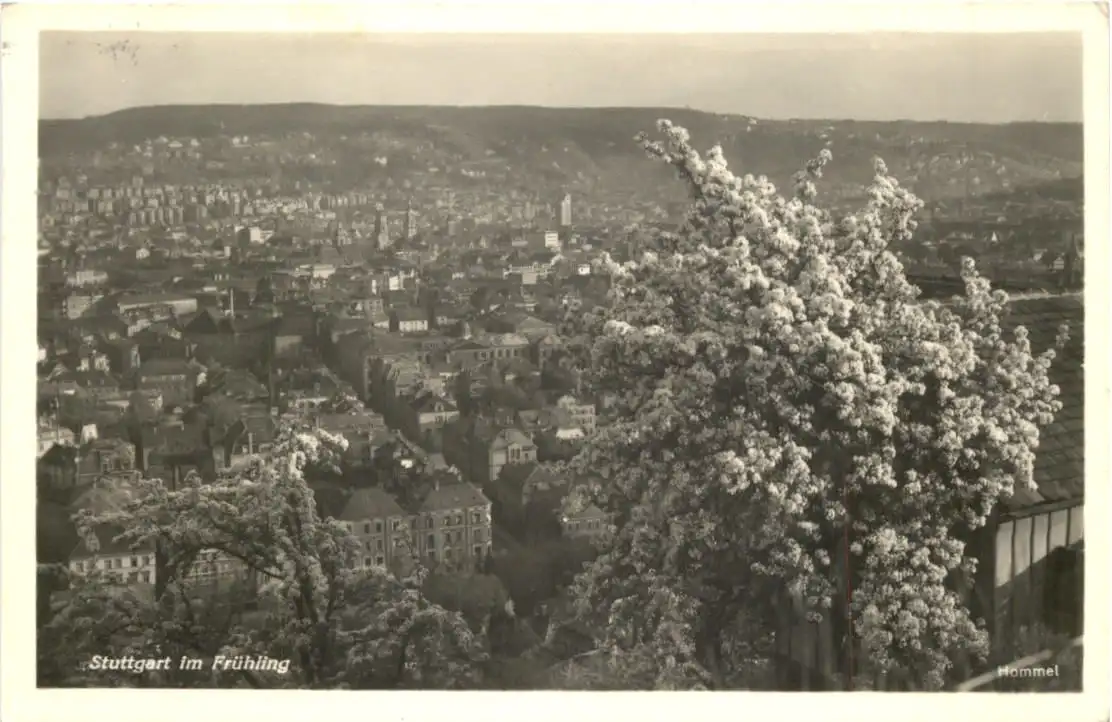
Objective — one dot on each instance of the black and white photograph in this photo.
(563, 361)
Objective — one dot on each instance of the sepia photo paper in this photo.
(605, 360)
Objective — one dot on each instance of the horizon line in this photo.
(687, 109)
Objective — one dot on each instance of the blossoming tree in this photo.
(340, 626)
(791, 416)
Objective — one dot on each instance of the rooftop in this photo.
(107, 545)
(454, 496)
(370, 503)
(1060, 460)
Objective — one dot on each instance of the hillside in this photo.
(587, 147)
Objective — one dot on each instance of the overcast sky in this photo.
(984, 78)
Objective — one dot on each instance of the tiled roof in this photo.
(544, 474)
(411, 314)
(336, 423)
(108, 546)
(107, 494)
(1060, 460)
(454, 496)
(60, 456)
(153, 298)
(428, 403)
(508, 339)
(370, 503)
(174, 440)
(505, 437)
(165, 366)
(470, 344)
(591, 512)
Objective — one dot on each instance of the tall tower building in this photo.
(380, 219)
(565, 212)
(382, 238)
(410, 221)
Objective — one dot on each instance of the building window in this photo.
(380, 560)
(459, 536)
(367, 528)
(478, 535)
(378, 527)
(476, 517)
(459, 519)
(134, 561)
(432, 555)
(395, 524)
(146, 577)
(429, 522)
(447, 537)
(378, 545)
(478, 551)
(119, 563)
(431, 541)
(367, 544)
(447, 554)
(367, 563)
(447, 521)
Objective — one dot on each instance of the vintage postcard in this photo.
(555, 349)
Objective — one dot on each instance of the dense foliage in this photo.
(298, 599)
(792, 418)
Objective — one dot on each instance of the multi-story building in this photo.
(528, 326)
(87, 277)
(135, 566)
(590, 522)
(75, 305)
(469, 353)
(508, 345)
(363, 423)
(67, 467)
(174, 379)
(565, 211)
(115, 558)
(581, 415)
(50, 434)
(180, 304)
(95, 384)
(453, 526)
(482, 450)
(410, 222)
(362, 356)
(381, 527)
(508, 446)
(546, 348)
(423, 413)
(409, 320)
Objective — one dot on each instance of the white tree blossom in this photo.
(790, 415)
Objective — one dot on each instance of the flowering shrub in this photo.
(790, 415)
(340, 626)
